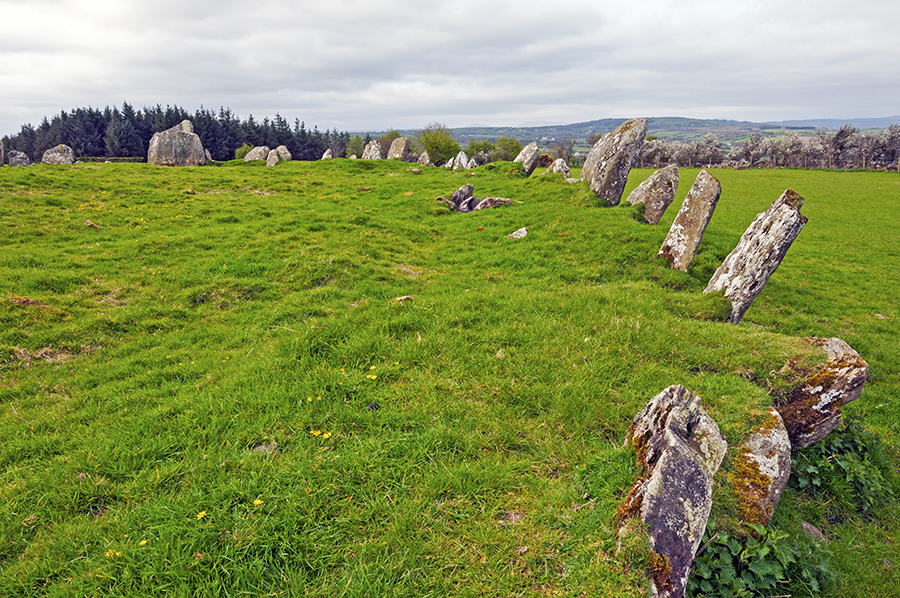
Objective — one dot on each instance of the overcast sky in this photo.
(375, 64)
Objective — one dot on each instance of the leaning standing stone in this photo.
(686, 233)
(61, 154)
(610, 160)
(679, 448)
(748, 267)
(530, 156)
(656, 193)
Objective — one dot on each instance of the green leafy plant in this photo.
(765, 563)
(851, 464)
(241, 152)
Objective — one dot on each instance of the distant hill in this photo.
(681, 129)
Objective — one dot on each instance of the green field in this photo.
(214, 391)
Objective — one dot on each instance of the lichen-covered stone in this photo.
(761, 470)
(260, 152)
(61, 154)
(679, 448)
(686, 232)
(424, 159)
(178, 146)
(656, 193)
(530, 157)
(461, 161)
(559, 165)
(493, 202)
(17, 158)
(610, 160)
(328, 155)
(813, 408)
(399, 149)
(373, 151)
(758, 254)
(279, 154)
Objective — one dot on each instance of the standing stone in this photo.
(686, 233)
(284, 154)
(610, 160)
(761, 470)
(2, 153)
(373, 151)
(530, 156)
(61, 154)
(460, 161)
(656, 193)
(763, 245)
(19, 158)
(472, 164)
(813, 409)
(679, 448)
(464, 198)
(260, 152)
(399, 149)
(424, 159)
(559, 165)
(178, 146)
(273, 158)
(327, 155)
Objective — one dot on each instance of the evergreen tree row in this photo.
(126, 132)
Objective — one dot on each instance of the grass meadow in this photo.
(209, 384)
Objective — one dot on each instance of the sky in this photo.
(364, 65)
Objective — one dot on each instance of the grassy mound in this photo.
(210, 385)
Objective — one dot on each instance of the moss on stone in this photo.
(660, 571)
(751, 486)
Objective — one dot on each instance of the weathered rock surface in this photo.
(610, 160)
(373, 151)
(61, 154)
(758, 254)
(761, 470)
(260, 152)
(679, 447)
(327, 155)
(472, 164)
(686, 233)
(424, 159)
(399, 149)
(559, 165)
(656, 193)
(282, 153)
(519, 234)
(530, 156)
(813, 408)
(178, 146)
(461, 161)
(17, 158)
(493, 202)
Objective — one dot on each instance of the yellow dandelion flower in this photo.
(309, 399)
(257, 502)
(326, 435)
(372, 368)
(318, 398)
(201, 514)
(316, 432)
(142, 542)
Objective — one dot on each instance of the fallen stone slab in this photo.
(761, 470)
(813, 408)
(758, 254)
(656, 193)
(679, 449)
(519, 234)
(686, 232)
(260, 152)
(610, 160)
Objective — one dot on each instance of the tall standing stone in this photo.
(373, 151)
(399, 149)
(679, 448)
(687, 230)
(656, 193)
(530, 157)
(61, 154)
(763, 245)
(610, 160)
(178, 146)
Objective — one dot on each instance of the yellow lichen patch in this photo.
(660, 571)
(751, 486)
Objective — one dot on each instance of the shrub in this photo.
(438, 141)
(241, 152)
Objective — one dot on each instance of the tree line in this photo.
(126, 132)
(844, 148)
